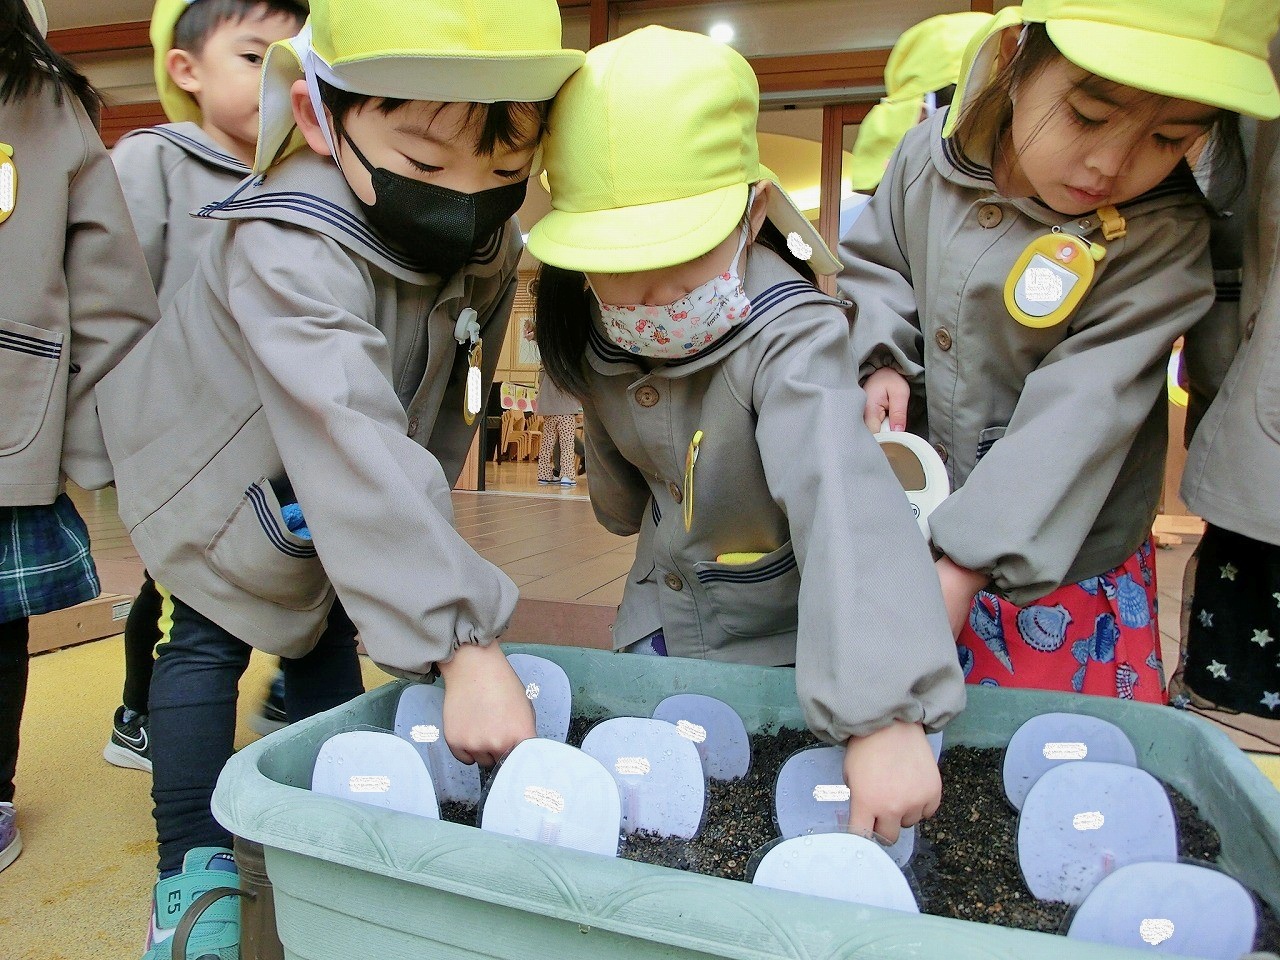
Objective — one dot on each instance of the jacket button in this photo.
(674, 582)
(990, 216)
(413, 426)
(647, 396)
(941, 450)
(675, 492)
(943, 338)
(1249, 325)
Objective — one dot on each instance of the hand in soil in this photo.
(486, 712)
(893, 780)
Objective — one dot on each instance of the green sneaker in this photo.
(216, 934)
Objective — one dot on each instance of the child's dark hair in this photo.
(513, 125)
(27, 62)
(201, 19)
(562, 312)
(991, 110)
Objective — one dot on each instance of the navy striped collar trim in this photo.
(764, 307)
(963, 164)
(197, 148)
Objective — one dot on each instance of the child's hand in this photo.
(959, 585)
(485, 710)
(887, 395)
(893, 780)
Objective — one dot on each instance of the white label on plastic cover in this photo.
(831, 793)
(691, 731)
(473, 390)
(1043, 285)
(369, 784)
(632, 766)
(1065, 751)
(7, 192)
(545, 797)
(1090, 820)
(425, 733)
(1155, 931)
(532, 690)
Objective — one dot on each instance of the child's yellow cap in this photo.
(650, 151)
(927, 57)
(467, 51)
(1208, 51)
(36, 9)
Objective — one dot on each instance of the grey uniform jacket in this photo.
(73, 300)
(1069, 421)
(1232, 475)
(305, 351)
(167, 174)
(845, 588)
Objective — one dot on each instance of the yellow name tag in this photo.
(1050, 279)
(8, 182)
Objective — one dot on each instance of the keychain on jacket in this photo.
(690, 461)
(467, 330)
(8, 182)
(1055, 271)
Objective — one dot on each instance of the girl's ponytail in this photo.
(27, 62)
(562, 320)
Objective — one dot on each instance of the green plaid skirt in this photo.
(44, 560)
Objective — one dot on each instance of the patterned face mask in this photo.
(685, 327)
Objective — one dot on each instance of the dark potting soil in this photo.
(965, 863)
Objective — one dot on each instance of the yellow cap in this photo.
(36, 9)
(927, 57)
(467, 51)
(1208, 51)
(650, 152)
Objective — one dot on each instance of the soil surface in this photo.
(965, 864)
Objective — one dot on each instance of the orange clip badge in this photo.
(8, 182)
(1050, 279)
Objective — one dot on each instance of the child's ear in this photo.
(1008, 45)
(304, 115)
(760, 207)
(182, 69)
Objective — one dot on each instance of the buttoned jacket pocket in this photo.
(256, 551)
(756, 599)
(29, 358)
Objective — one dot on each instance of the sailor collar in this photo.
(192, 140)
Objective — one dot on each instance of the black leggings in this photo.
(14, 667)
(141, 634)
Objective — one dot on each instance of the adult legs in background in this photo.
(14, 668)
(565, 429)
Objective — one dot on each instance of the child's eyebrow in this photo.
(251, 38)
(422, 133)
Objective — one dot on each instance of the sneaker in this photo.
(10, 838)
(568, 482)
(216, 934)
(129, 745)
(272, 716)
(543, 483)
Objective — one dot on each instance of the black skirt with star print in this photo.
(1233, 638)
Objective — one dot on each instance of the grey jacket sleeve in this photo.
(139, 164)
(377, 503)
(873, 644)
(110, 304)
(618, 491)
(1028, 505)
(886, 329)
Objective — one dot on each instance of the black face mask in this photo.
(438, 228)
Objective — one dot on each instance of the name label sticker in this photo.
(1156, 931)
(1089, 820)
(1065, 751)
(831, 793)
(545, 797)
(632, 766)
(425, 733)
(691, 731)
(369, 784)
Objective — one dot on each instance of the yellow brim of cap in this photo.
(281, 69)
(878, 136)
(1171, 66)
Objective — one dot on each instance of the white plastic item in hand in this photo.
(378, 769)
(549, 691)
(919, 469)
(1051, 739)
(420, 723)
(714, 728)
(838, 866)
(660, 780)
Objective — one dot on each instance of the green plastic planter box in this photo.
(355, 882)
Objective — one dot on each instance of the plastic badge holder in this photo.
(838, 866)
(378, 769)
(553, 793)
(811, 797)
(919, 469)
(1178, 908)
(714, 728)
(1055, 738)
(547, 687)
(658, 773)
(1083, 820)
(420, 722)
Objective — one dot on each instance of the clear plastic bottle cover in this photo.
(378, 769)
(714, 728)
(659, 776)
(1053, 738)
(550, 792)
(839, 866)
(1083, 820)
(420, 723)
(548, 689)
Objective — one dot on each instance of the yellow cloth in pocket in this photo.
(738, 558)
